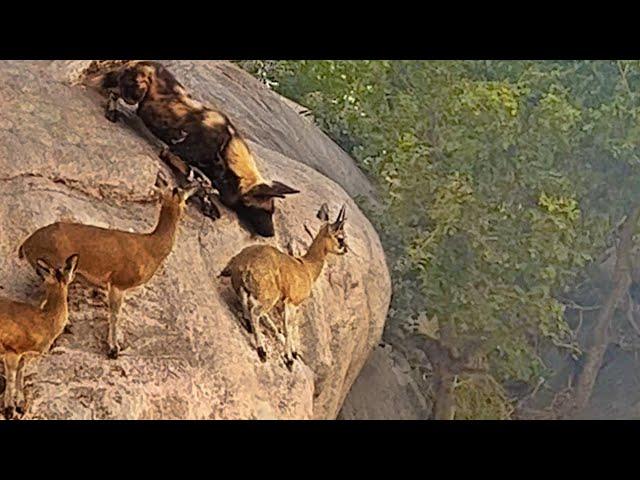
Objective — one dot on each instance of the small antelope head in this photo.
(135, 82)
(58, 276)
(332, 234)
(258, 204)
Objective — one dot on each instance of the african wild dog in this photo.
(197, 136)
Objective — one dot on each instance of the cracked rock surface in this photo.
(185, 353)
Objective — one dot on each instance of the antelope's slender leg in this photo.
(11, 362)
(20, 401)
(255, 314)
(295, 330)
(246, 311)
(288, 351)
(115, 302)
(269, 323)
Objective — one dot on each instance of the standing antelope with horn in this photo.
(264, 277)
(112, 259)
(27, 329)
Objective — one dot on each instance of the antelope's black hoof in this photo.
(262, 353)
(68, 329)
(294, 355)
(289, 364)
(113, 353)
(8, 413)
(111, 115)
(20, 410)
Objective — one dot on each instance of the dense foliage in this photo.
(500, 182)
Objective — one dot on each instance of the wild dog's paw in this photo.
(209, 209)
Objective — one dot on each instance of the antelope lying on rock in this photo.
(26, 329)
(112, 259)
(263, 277)
(197, 137)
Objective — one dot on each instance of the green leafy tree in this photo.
(499, 181)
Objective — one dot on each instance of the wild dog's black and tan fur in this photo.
(200, 136)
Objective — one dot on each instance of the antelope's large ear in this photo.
(43, 270)
(276, 189)
(161, 181)
(70, 264)
(339, 223)
(323, 213)
(69, 269)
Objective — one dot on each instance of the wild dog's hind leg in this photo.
(115, 302)
(111, 112)
(11, 362)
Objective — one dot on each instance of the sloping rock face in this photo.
(386, 390)
(185, 353)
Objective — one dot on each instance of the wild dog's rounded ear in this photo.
(276, 189)
(282, 189)
(323, 213)
(43, 269)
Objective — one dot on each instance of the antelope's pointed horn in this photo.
(341, 217)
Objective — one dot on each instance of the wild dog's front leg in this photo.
(174, 161)
(11, 362)
(202, 197)
(111, 112)
(115, 302)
